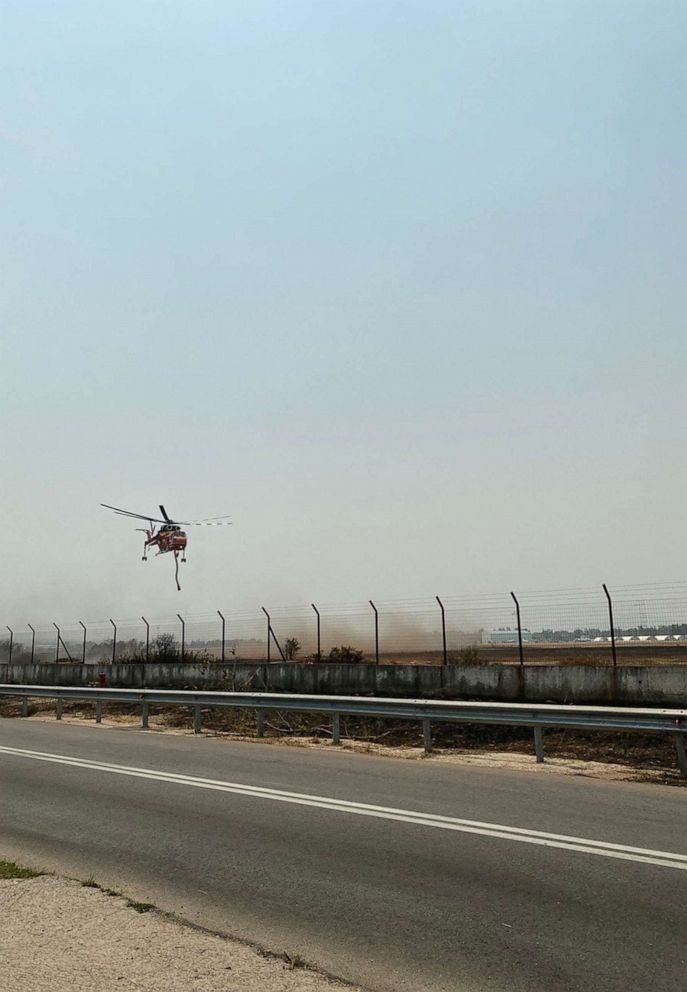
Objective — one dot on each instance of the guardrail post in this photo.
(33, 641)
(114, 641)
(145, 713)
(443, 628)
(517, 613)
(58, 709)
(261, 723)
(681, 754)
(83, 646)
(98, 711)
(147, 638)
(183, 638)
(610, 618)
(196, 719)
(427, 735)
(539, 745)
(24, 705)
(319, 644)
(376, 632)
(336, 728)
(223, 631)
(9, 662)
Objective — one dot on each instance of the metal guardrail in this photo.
(538, 716)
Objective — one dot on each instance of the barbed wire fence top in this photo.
(563, 624)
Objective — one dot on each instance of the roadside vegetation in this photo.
(8, 869)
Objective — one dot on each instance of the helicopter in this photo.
(168, 535)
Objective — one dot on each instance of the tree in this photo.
(291, 648)
(165, 647)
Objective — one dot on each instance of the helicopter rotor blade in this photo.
(136, 516)
(222, 521)
(206, 520)
(206, 523)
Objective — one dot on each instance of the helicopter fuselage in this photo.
(170, 537)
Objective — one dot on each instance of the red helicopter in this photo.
(168, 536)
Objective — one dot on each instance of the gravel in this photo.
(57, 934)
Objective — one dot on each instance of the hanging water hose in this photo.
(176, 569)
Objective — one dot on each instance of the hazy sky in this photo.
(400, 285)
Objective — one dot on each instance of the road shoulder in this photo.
(65, 935)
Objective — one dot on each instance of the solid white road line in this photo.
(581, 845)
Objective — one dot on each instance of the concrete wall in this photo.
(664, 685)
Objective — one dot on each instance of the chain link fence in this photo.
(623, 625)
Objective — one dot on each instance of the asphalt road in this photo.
(392, 897)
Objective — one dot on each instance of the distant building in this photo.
(505, 635)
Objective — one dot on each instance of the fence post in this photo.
(610, 618)
(147, 637)
(539, 745)
(223, 629)
(33, 641)
(183, 637)
(57, 647)
(376, 632)
(517, 613)
(9, 662)
(276, 641)
(443, 628)
(145, 713)
(269, 631)
(271, 636)
(336, 728)
(114, 641)
(319, 646)
(196, 719)
(83, 649)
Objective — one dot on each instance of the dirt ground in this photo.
(61, 935)
(564, 654)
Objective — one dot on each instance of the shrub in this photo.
(345, 655)
(468, 656)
